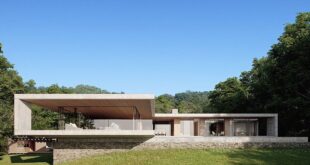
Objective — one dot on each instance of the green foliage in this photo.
(186, 102)
(43, 119)
(10, 83)
(278, 83)
(164, 103)
(229, 96)
(192, 102)
(87, 89)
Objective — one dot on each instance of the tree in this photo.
(278, 83)
(30, 86)
(10, 83)
(289, 78)
(87, 89)
(164, 103)
(192, 102)
(229, 96)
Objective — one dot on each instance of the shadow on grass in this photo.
(32, 158)
(270, 156)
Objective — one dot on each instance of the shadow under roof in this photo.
(96, 106)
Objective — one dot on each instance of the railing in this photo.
(116, 124)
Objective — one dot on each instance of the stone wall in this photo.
(68, 148)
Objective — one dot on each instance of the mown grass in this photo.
(26, 159)
(174, 156)
(192, 156)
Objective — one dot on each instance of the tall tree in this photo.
(278, 83)
(10, 83)
(289, 77)
(229, 96)
(164, 103)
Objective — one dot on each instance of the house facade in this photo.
(96, 123)
(132, 115)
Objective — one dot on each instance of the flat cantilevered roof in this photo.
(96, 106)
(168, 116)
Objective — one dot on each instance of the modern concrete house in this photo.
(93, 123)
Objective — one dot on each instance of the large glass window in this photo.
(245, 127)
(215, 127)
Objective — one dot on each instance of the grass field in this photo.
(22, 159)
(189, 156)
(185, 156)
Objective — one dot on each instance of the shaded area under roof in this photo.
(96, 106)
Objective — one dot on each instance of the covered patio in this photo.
(88, 114)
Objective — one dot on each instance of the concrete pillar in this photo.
(229, 127)
(256, 128)
(272, 126)
(276, 125)
(176, 127)
(140, 125)
(61, 118)
(22, 115)
(202, 127)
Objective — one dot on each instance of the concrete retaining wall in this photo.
(68, 149)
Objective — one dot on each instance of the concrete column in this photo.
(229, 127)
(176, 127)
(22, 115)
(272, 126)
(61, 118)
(276, 125)
(202, 127)
(140, 125)
(256, 128)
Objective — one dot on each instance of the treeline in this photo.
(187, 102)
(278, 83)
(11, 82)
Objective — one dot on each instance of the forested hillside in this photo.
(277, 83)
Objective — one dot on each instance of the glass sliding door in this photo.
(214, 127)
(245, 127)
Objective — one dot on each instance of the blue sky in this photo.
(140, 46)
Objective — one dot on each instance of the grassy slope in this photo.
(35, 159)
(189, 156)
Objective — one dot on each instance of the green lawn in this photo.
(22, 159)
(185, 156)
(191, 156)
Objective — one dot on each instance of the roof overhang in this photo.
(109, 106)
(166, 116)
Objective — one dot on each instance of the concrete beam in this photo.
(84, 133)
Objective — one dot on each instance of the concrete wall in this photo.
(22, 115)
(187, 127)
(34, 147)
(176, 127)
(67, 149)
(163, 128)
(272, 126)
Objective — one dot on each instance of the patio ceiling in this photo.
(96, 106)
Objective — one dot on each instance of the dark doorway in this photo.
(196, 128)
(262, 127)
